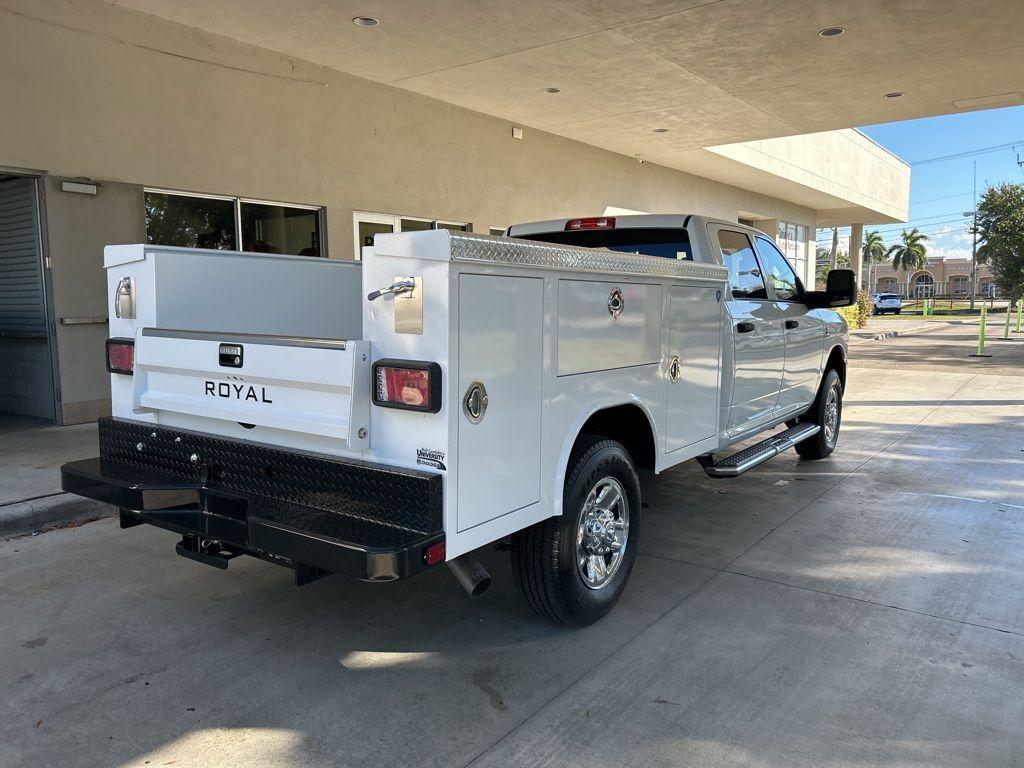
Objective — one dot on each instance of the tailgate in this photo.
(304, 385)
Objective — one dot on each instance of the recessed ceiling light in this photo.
(831, 32)
(365, 21)
(661, 130)
(894, 94)
(550, 90)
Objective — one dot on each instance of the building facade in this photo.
(947, 278)
(124, 127)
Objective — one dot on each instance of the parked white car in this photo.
(455, 389)
(886, 302)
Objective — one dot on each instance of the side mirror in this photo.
(841, 288)
(840, 291)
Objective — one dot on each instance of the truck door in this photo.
(804, 329)
(758, 336)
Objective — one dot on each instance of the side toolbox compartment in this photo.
(500, 354)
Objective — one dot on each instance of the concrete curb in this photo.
(924, 328)
(21, 517)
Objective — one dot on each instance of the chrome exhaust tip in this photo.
(470, 574)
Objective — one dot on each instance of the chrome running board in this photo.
(748, 458)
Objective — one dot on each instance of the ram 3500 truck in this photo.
(452, 390)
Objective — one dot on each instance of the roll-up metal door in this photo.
(22, 309)
(26, 373)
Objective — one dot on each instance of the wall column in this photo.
(856, 257)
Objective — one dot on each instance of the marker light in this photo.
(600, 222)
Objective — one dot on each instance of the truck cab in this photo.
(777, 335)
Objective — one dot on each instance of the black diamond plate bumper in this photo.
(306, 510)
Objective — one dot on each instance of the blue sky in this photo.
(941, 191)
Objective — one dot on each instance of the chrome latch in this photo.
(615, 303)
(675, 370)
(403, 285)
(474, 402)
(124, 298)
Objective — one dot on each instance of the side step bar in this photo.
(748, 458)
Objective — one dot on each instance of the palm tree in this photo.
(911, 253)
(873, 251)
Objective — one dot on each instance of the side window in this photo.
(744, 273)
(780, 274)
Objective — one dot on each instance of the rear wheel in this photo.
(573, 568)
(827, 412)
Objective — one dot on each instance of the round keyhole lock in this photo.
(675, 370)
(474, 403)
(615, 303)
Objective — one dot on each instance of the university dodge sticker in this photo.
(430, 457)
(237, 391)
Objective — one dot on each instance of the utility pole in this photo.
(834, 255)
(974, 240)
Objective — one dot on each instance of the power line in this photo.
(925, 221)
(968, 153)
(935, 199)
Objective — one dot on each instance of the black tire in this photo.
(897, 311)
(823, 443)
(545, 555)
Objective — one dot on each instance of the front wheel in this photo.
(827, 412)
(573, 568)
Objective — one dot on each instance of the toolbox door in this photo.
(694, 334)
(500, 357)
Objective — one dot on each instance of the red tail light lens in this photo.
(434, 554)
(600, 222)
(121, 356)
(412, 385)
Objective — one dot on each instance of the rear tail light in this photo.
(121, 356)
(409, 384)
(599, 222)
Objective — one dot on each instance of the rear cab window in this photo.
(665, 243)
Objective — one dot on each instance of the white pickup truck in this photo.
(452, 390)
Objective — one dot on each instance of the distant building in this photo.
(939, 277)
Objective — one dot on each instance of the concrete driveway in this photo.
(866, 610)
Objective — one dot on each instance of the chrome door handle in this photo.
(124, 298)
(404, 285)
(744, 327)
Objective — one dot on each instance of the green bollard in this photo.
(1006, 330)
(981, 336)
(1020, 306)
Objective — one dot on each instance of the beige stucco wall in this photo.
(128, 99)
(866, 183)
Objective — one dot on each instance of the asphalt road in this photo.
(865, 610)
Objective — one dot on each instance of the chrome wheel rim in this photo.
(831, 424)
(602, 533)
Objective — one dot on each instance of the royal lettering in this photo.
(236, 391)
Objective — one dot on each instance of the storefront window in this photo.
(792, 241)
(225, 223)
(190, 222)
(280, 229)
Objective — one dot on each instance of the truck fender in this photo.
(574, 432)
